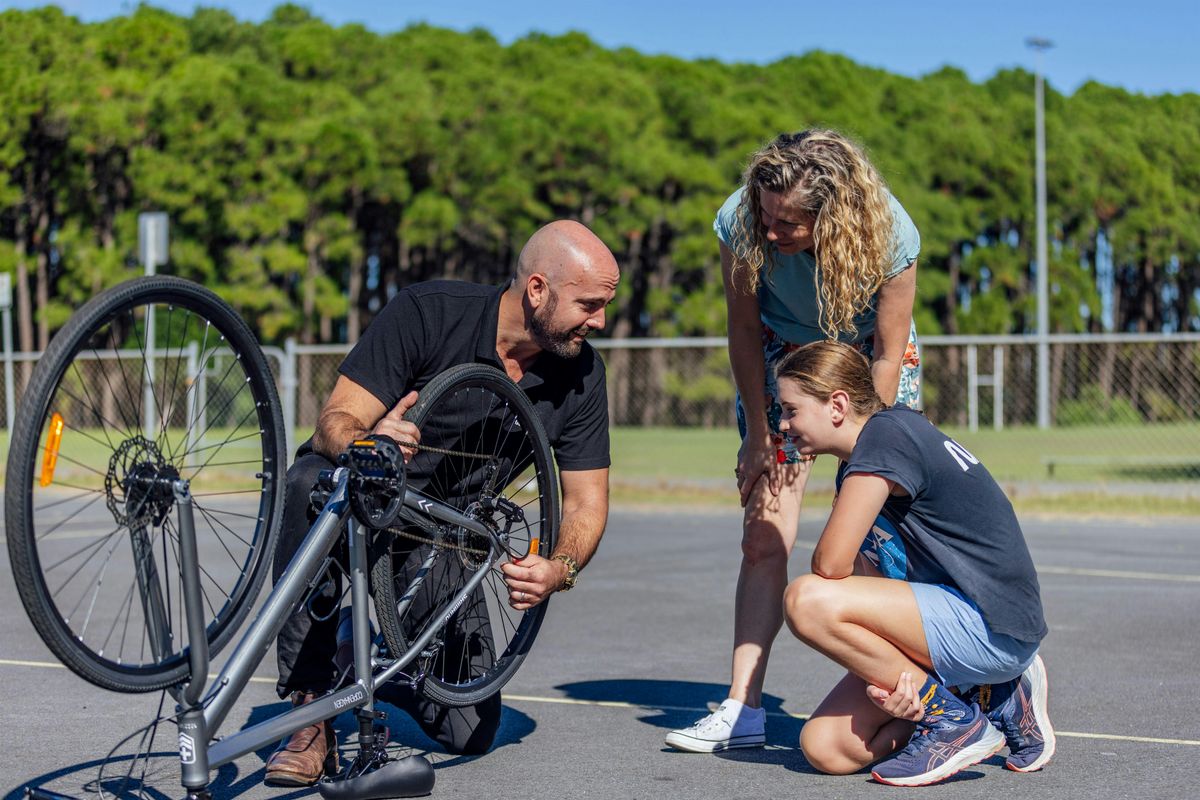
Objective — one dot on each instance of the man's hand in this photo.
(399, 429)
(902, 703)
(532, 580)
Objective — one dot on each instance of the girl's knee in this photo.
(808, 602)
(826, 750)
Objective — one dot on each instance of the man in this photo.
(534, 329)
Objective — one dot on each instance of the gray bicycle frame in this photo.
(200, 719)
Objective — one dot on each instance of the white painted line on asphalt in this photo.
(1087, 573)
(13, 662)
(1117, 573)
(570, 701)
(634, 706)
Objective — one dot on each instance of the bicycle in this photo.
(144, 495)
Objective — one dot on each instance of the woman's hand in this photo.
(902, 703)
(757, 460)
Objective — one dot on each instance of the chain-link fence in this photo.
(1123, 407)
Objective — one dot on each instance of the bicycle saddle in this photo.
(408, 777)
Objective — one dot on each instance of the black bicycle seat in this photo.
(408, 777)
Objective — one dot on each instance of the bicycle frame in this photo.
(200, 719)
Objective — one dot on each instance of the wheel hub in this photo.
(138, 484)
(472, 547)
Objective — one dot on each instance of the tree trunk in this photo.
(307, 410)
(41, 235)
(953, 266)
(620, 388)
(24, 307)
(354, 283)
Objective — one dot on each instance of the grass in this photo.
(84, 459)
(1102, 454)
(694, 467)
(685, 467)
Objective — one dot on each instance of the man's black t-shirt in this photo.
(957, 526)
(429, 327)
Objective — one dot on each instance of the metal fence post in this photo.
(287, 379)
(998, 387)
(6, 321)
(972, 388)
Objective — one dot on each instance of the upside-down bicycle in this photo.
(144, 494)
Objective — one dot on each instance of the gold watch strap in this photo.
(572, 571)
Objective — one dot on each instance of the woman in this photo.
(960, 607)
(813, 246)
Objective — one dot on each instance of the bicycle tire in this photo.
(132, 415)
(486, 640)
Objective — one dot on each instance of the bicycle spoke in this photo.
(96, 590)
(213, 523)
(67, 519)
(96, 545)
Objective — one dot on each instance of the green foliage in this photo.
(310, 170)
(1094, 407)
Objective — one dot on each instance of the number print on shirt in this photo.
(960, 454)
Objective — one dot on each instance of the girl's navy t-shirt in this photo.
(957, 526)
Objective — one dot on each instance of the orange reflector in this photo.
(53, 440)
(533, 547)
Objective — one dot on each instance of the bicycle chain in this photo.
(443, 451)
(429, 540)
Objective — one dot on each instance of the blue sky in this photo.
(1147, 46)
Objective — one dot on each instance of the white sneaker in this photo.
(731, 726)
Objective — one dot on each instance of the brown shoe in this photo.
(309, 754)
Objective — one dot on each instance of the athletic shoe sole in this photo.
(992, 743)
(691, 744)
(1040, 684)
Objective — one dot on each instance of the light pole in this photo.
(1040, 46)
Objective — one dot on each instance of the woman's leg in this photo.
(769, 532)
(847, 731)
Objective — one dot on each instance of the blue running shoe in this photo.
(1018, 709)
(938, 749)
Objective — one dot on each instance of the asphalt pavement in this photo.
(642, 646)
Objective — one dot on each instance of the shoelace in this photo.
(713, 720)
(1009, 725)
(917, 742)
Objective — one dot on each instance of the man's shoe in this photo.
(308, 755)
(1019, 709)
(731, 726)
(938, 749)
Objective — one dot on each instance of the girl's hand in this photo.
(902, 703)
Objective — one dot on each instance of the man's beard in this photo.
(551, 340)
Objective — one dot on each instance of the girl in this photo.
(956, 603)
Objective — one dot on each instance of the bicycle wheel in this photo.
(106, 423)
(502, 474)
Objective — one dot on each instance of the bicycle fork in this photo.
(193, 738)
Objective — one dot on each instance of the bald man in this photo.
(535, 329)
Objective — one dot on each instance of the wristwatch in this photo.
(572, 571)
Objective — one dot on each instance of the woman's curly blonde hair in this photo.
(830, 178)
